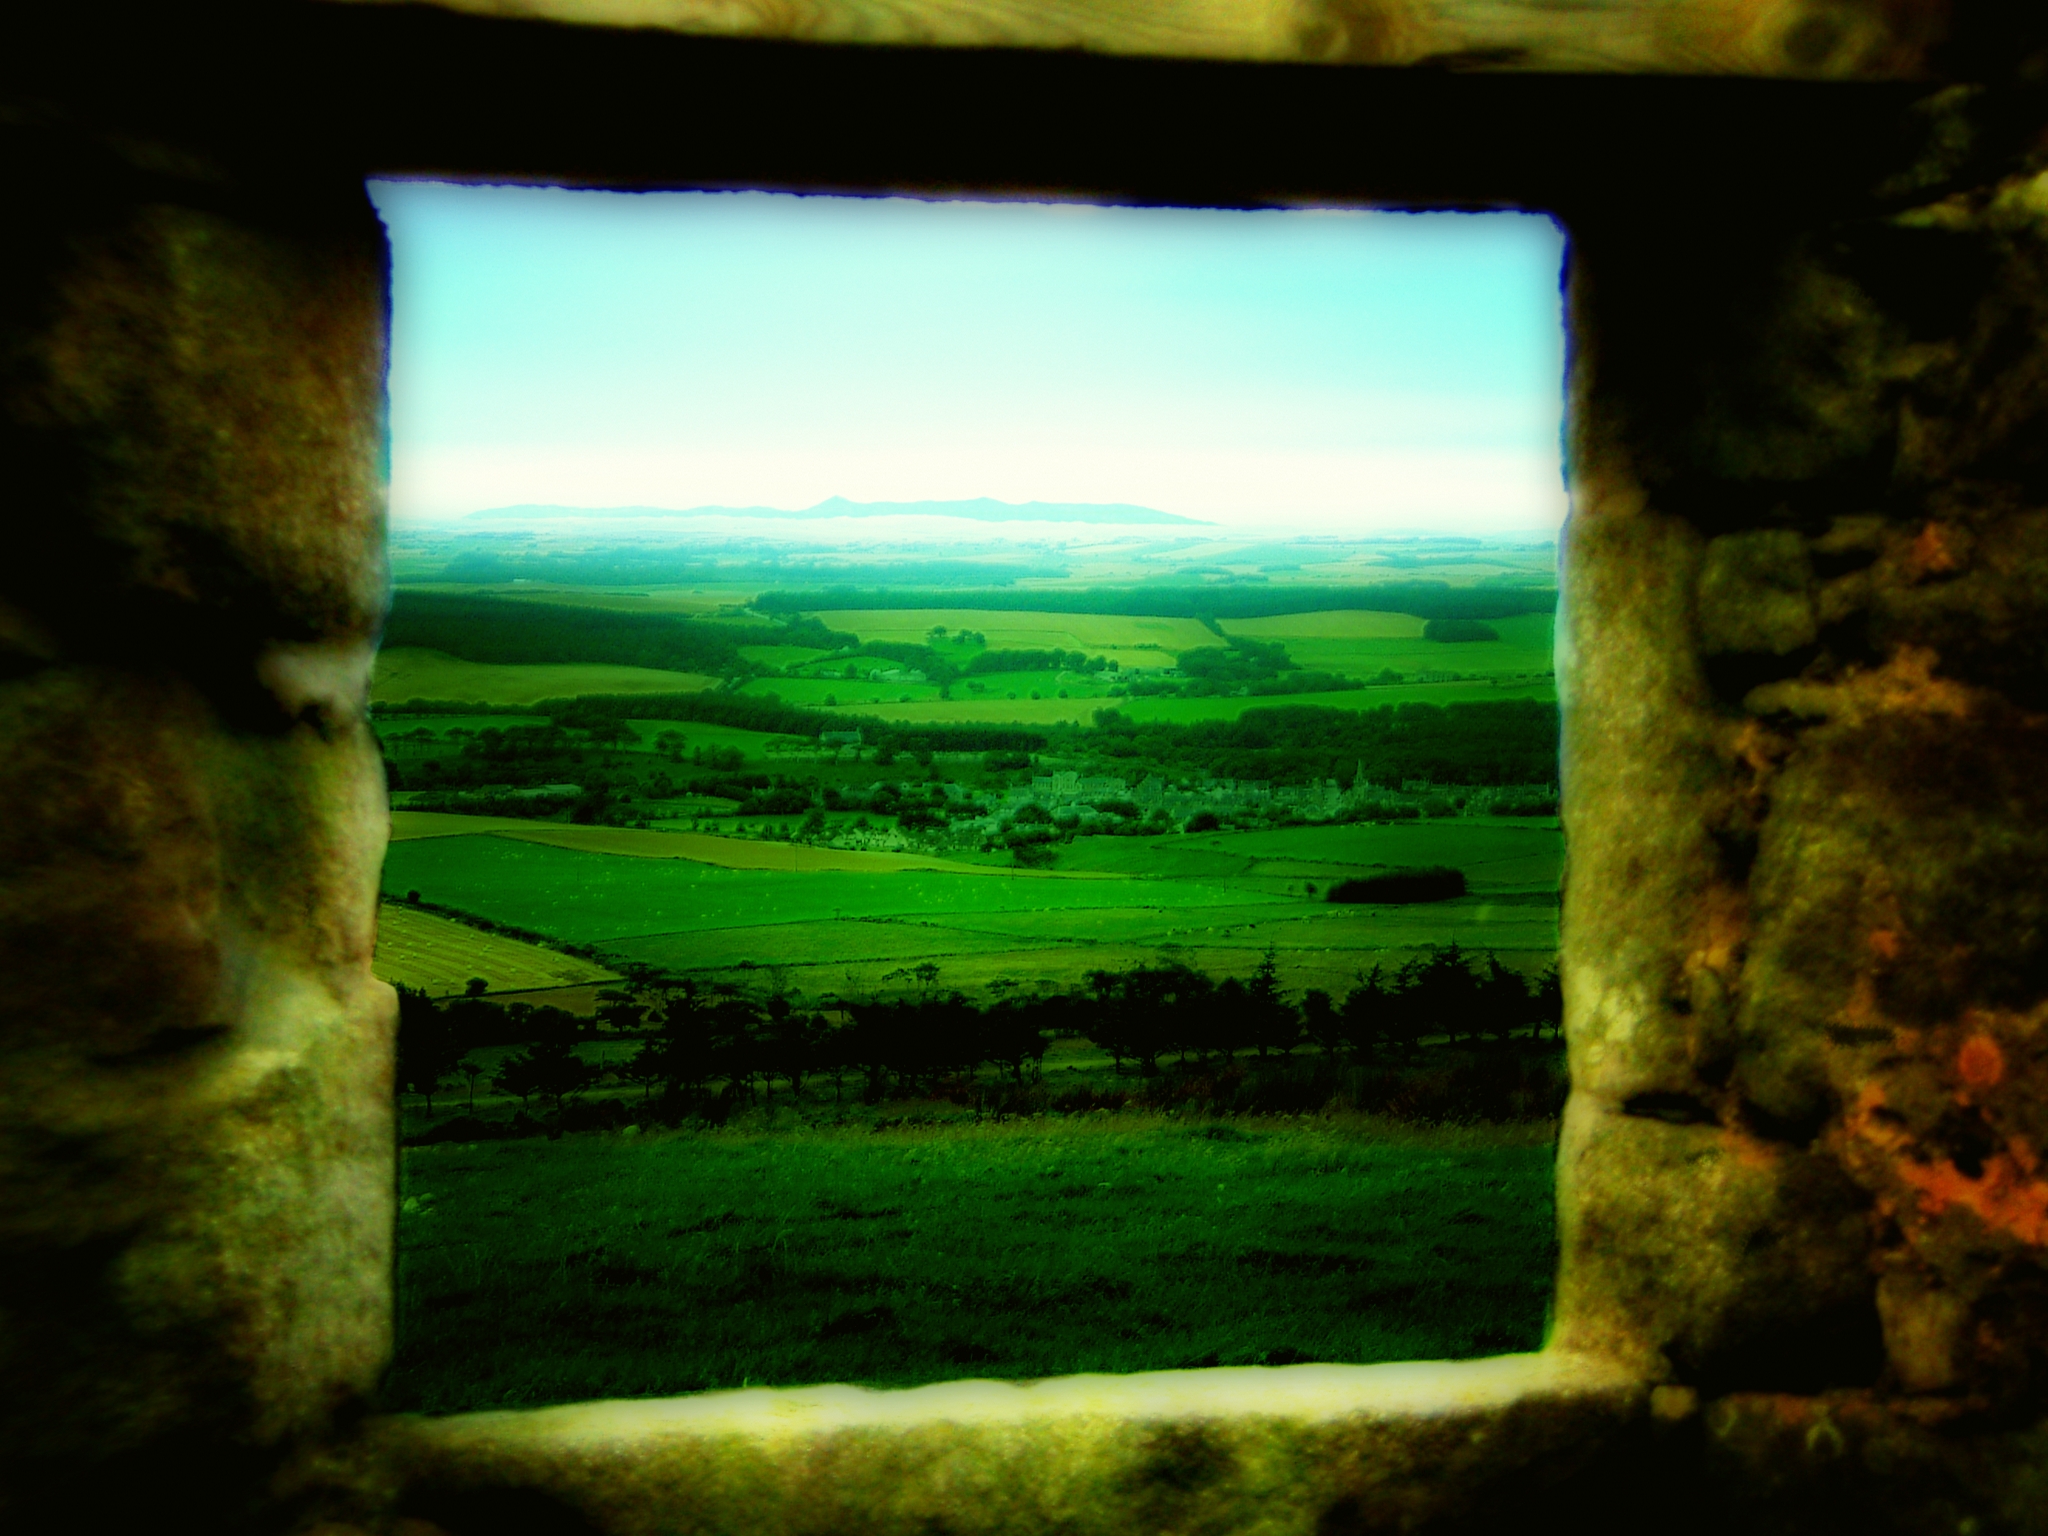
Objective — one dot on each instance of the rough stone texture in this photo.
(1805, 948)
(195, 1137)
(1903, 39)
(1806, 675)
(1323, 1449)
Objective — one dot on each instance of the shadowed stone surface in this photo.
(1805, 673)
(1301, 1448)
(194, 1060)
(1805, 950)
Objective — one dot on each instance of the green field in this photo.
(1359, 645)
(1079, 708)
(600, 1266)
(691, 602)
(439, 956)
(1214, 900)
(781, 655)
(1329, 624)
(1149, 641)
(594, 897)
(410, 672)
(969, 694)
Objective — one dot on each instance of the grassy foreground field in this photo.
(614, 1266)
(410, 672)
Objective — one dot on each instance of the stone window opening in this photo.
(1800, 1201)
(1481, 1275)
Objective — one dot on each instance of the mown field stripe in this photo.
(439, 955)
(781, 858)
(710, 848)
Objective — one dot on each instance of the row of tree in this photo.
(693, 1038)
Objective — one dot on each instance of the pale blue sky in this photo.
(1319, 371)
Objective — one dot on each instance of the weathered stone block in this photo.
(195, 1122)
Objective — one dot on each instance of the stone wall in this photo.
(195, 1114)
(1803, 1210)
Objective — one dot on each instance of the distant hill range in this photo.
(983, 509)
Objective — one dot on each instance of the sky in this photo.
(1312, 371)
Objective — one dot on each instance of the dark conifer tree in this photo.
(1322, 1023)
(1274, 1024)
(428, 1048)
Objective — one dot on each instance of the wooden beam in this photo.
(1778, 39)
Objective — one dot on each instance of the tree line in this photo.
(516, 630)
(693, 1037)
(1495, 741)
(1423, 599)
(1489, 741)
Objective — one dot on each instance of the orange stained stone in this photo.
(1980, 1062)
(1931, 552)
(1762, 749)
(2004, 1198)
(1860, 1011)
(1862, 1120)
(1748, 1151)
(1884, 943)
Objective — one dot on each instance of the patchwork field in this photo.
(1329, 624)
(691, 602)
(594, 897)
(781, 655)
(836, 918)
(1097, 634)
(1327, 642)
(698, 847)
(418, 949)
(1078, 709)
(816, 1236)
(410, 672)
(883, 699)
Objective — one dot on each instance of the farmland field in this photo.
(1329, 624)
(965, 708)
(1326, 642)
(409, 672)
(693, 602)
(536, 1271)
(439, 956)
(694, 903)
(698, 847)
(592, 897)
(781, 655)
(1096, 634)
